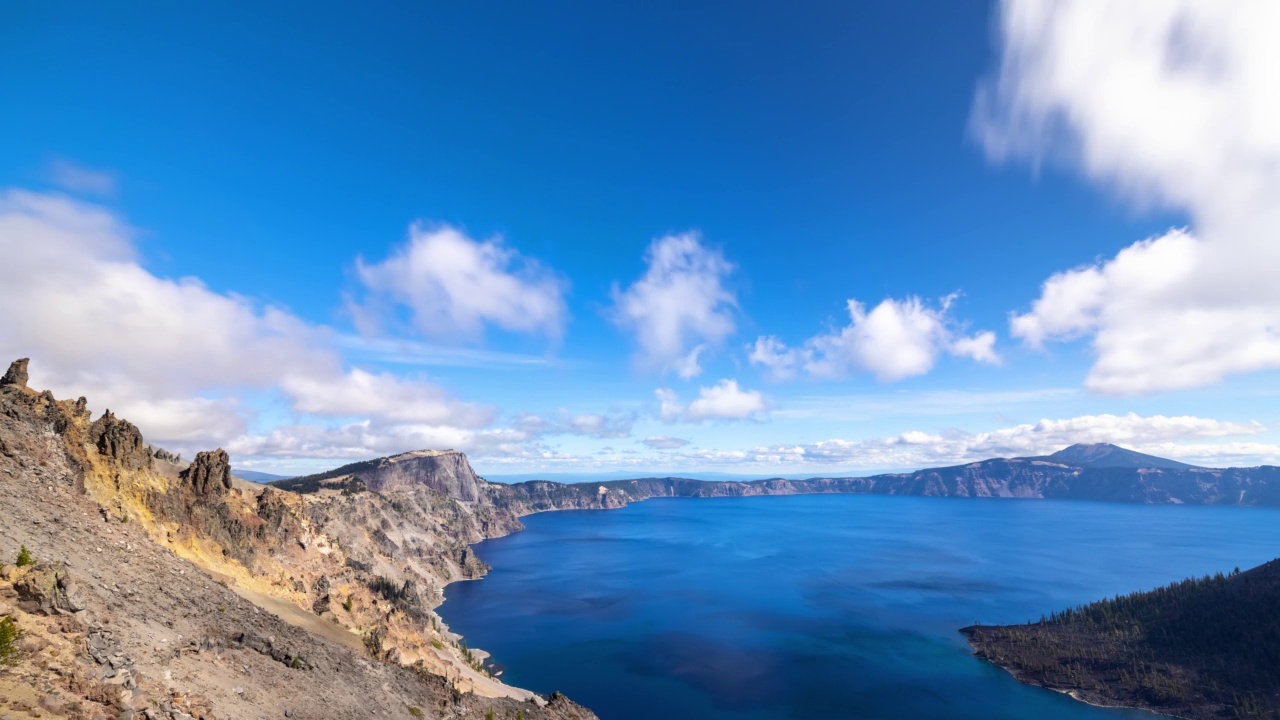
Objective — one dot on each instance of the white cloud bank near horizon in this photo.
(1171, 103)
(1187, 438)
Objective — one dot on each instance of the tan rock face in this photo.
(446, 472)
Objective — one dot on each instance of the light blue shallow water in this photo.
(819, 606)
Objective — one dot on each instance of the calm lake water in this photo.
(821, 605)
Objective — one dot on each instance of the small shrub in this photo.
(437, 644)
(9, 636)
(415, 711)
(348, 603)
(24, 557)
(489, 715)
(297, 663)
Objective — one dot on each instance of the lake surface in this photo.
(819, 605)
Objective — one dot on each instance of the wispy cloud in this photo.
(411, 352)
(664, 442)
(914, 403)
(79, 179)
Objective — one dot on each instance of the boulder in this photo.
(322, 603)
(45, 589)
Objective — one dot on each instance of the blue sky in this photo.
(507, 228)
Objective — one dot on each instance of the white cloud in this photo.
(189, 423)
(76, 178)
(453, 285)
(381, 395)
(1173, 103)
(602, 426)
(779, 361)
(894, 340)
(169, 354)
(680, 306)
(723, 401)
(979, 348)
(368, 438)
(596, 425)
(664, 442)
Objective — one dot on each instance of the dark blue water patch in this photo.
(819, 606)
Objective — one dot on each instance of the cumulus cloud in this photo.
(680, 306)
(170, 353)
(894, 340)
(1171, 103)
(723, 401)
(451, 285)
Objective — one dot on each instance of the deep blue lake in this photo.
(819, 605)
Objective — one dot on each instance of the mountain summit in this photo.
(1106, 455)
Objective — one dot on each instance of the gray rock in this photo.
(121, 441)
(209, 474)
(48, 589)
(17, 373)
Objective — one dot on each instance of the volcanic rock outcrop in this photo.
(120, 441)
(209, 473)
(16, 374)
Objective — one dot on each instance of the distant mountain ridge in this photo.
(258, 477)
(1100, 455)
(1100, 472)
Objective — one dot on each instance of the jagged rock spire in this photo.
(209, 473)
(17, 373)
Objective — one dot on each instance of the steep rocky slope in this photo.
(168, 591)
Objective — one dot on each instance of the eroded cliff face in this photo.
(444, 471)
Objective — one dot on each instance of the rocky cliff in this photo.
(1044, 478)
(164, 590)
